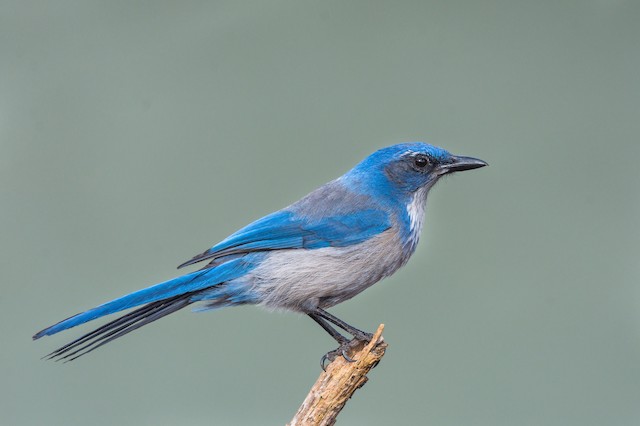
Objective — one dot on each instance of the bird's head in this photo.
(406, 168)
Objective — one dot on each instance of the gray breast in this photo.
(301, 280)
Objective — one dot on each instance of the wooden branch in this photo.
(335, 386)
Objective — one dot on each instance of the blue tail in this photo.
(214, 286)
(186, 284)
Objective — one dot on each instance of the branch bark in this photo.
(335, 386)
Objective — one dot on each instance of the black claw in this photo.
(329, 356)
(347, 357)
(341, 350)
(322, 361)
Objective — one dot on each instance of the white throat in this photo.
(415, 210)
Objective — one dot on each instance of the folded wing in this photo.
(287, 230)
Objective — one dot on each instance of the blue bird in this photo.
(321, 250)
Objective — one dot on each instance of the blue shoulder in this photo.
(331, 216)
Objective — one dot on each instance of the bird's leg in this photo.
(332, 331)
(321, 317)
(344, 342)
(358, 334)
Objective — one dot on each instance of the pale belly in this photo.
(301, 280)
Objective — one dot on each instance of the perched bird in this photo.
(321, 250)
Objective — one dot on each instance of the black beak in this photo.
(459, 164)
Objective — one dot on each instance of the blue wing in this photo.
(287, 230)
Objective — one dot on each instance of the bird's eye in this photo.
(420, 161)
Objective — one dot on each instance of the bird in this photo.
(319, 251)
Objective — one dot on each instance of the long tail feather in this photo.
(189, 283)
(119, 327)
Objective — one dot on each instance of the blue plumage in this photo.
(288, 230)
(188, 283)
(324, 249)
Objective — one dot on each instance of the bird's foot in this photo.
(363, 336)
(343, 350)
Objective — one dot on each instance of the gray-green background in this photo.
(134, 135)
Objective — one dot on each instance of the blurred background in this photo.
(134, 135)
